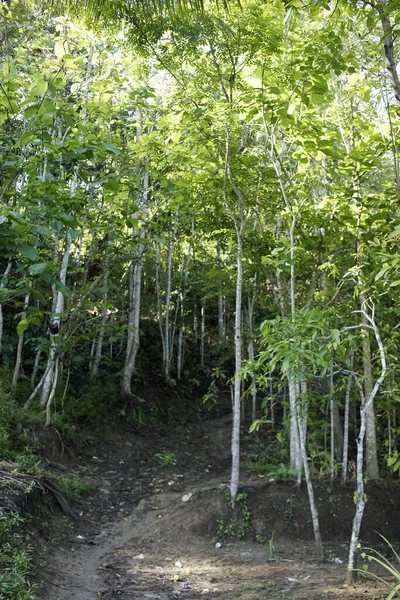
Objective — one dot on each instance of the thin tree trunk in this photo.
(366, 402)
(271, 405)
(371, 453)
(250, 324)
(346, 430)
(159, 306)
(238, 363)
(240, 226)
(55, 325)
(332, 466)
(167, 363)
(195, 324)
(202, 330)
(388, 46)
(221, 324)
(296, 461)
(253, 386)
(51, 396)
(5, 274)
(100, 338)
(135, 280)
(301, 416)
(35, 367)
(18, 360)
(179, 359)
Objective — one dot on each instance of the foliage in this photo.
(393, 462)
(278, 472)
(235, 526)
(373, 555)
(75, 488)
(15, 559)
(166, 458)
(210, 398)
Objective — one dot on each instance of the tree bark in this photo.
(371, 453)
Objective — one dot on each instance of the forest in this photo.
(199, 231)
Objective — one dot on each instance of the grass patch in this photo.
(75, 488)
(280, 471)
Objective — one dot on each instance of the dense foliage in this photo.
(206, 190)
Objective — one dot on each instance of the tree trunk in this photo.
(346, 430)
(238, 363)
(18, 360)
(35, 367)
(55, 326)
(366, 402)
(332, 453)
(179, 359)
(221, 324)
(195, 324)
(296, 461)
(5, 274)
(371, 453)
(301, 416)
(135, 280)
(100, 338)
(202, 330)
(388, 46)
(167, 325)
(240, 226)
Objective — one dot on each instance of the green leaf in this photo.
(22, 326)
(61, 48)
(40, 87)
(47, 106)
(30, 111)
(60, 287)
(27, 251)
(39, 296)
(68, 220)
(111, 148)
(111, 185)
(38, 268)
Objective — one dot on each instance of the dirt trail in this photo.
(138, 539)
(129, 479)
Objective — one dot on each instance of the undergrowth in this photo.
(237, 522)
(75, 488)
(15, 559)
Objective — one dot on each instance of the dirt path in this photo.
(146, 531)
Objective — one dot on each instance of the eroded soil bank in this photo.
(150, 529)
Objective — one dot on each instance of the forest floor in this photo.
(149, 530)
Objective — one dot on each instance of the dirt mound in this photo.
(279, 510)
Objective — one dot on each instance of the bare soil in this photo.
(137, 537)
